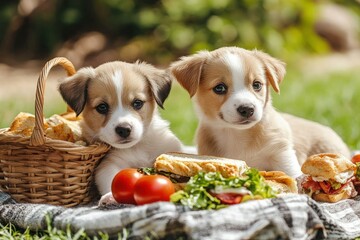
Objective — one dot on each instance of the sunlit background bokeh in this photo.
(319, 41)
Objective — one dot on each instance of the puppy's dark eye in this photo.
(257, 86)
(102, 108)
(220, 89)
(137, 104)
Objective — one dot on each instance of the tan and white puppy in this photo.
(118, 102)
(230, 88)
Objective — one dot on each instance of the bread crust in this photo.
(279, 180)
(189, 165)
(23, 124)
(332, 198)
(327, 165)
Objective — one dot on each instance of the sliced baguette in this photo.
(189, 165)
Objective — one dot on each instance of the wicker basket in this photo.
(38, 169)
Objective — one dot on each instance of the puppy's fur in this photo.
(118, 102)
(230, 88)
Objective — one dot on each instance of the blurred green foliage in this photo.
(163, 29)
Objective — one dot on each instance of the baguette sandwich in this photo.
(329, 177)
(212, 182)
(180, 167)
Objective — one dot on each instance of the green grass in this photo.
(331, 99)
(179, 111)
(10, 232)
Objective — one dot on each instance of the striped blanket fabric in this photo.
(293, 216)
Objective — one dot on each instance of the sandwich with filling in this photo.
(208, 182)
(329, 177)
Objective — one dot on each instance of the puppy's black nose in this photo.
(246, 110)
(123, 130)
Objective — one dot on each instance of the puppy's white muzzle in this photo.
(241, 111)
(123, 130)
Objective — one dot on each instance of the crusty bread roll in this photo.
(71, 116)
(188, 165)
(23, 124)
(64, 127)
(332, 198)
(327, 165)
(280, 181)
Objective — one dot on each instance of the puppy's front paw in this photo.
(107, 199)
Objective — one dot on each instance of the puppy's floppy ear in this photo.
(159, 80)
(74, 89)
(187, 70)
(274, 69)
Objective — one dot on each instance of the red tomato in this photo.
(153, 188)
(310, 184)
(122, 186)
(326, 186)
(356, 158)
(228, 198)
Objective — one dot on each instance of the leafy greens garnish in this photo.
(196, 193)
(147, 170)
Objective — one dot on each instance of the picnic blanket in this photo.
(293, 216)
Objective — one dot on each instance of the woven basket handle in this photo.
(38, 136)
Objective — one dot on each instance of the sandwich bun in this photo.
(280, 182)
(332, 198)
(327, 165)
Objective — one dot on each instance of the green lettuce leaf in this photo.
(196, 193)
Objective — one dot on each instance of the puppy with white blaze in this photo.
(118, 102)
(230, 88)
